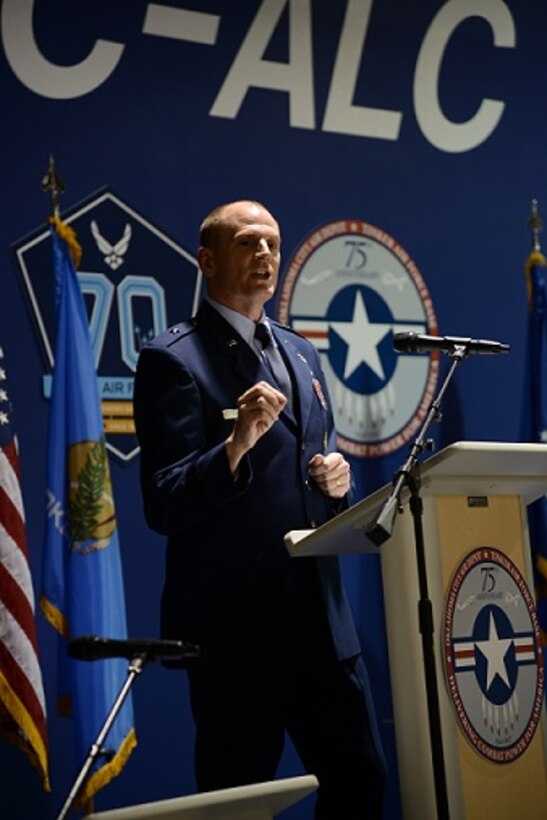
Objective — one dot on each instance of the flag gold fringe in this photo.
(25, 733)
(112, 769)
(54, 616)
(535, 258)
(69, 235)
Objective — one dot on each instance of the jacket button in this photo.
(308, 485)
(313, 523)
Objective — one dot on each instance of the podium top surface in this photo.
(491, 458)
(469, 468)
(258, 800)
(487, 468)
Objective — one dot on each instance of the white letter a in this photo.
(249, 69)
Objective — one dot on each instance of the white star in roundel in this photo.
(494, 650)
(362, 338)
(4, 418)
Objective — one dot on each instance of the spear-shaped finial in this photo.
(53, 183)
(535, 223)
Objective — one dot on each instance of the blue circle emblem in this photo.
(348, 288)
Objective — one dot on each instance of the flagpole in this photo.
(535, 223)
(52, 182)
(74, 386)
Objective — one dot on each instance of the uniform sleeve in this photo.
(183, 476)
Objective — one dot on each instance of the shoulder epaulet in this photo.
(288, 328)
(173, 334)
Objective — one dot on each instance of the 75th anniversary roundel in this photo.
(493, 655)
(348, 288)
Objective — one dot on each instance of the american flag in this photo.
(22, 704)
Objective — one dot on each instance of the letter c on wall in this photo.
(42, 76)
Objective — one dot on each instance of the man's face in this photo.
(242, 268)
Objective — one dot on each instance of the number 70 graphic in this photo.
(101, 289)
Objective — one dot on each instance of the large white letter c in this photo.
(440, 131)
(40, 75)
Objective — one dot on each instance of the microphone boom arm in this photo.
(379, 530)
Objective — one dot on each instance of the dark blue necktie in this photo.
(273, 360)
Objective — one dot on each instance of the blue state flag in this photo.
(82, 585)
(535, 418)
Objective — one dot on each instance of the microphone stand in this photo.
(379, 531)
(135, 668)
(136, 665)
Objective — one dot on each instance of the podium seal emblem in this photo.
(493, 656)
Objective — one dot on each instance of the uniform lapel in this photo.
(242, 360)
(230, 344)
(301, 372)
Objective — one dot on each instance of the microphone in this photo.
(93, 648)
(420, 343)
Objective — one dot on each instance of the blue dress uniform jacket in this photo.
(230, 585)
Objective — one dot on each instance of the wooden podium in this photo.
(474, 495)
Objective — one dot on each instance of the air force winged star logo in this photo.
(493, 655)
(348, 288)
(136, 282)
(113, 254)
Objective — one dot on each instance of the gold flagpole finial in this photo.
(53, 183)
(535, 223)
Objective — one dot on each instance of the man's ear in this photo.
(206, 261)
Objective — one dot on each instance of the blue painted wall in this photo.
(427, 120)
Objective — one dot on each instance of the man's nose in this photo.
(262, 247)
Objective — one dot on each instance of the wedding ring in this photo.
(338, 482)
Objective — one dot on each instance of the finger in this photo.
(251, 425)
(316, 460)
(334, 467)
(335, 460)
(337, 486)
(333, 480)
(261, 387)
(265, 393)
(258, 409)
(270, 389)
(338, 467)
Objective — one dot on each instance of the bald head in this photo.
(223, 216)
(239, 255)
